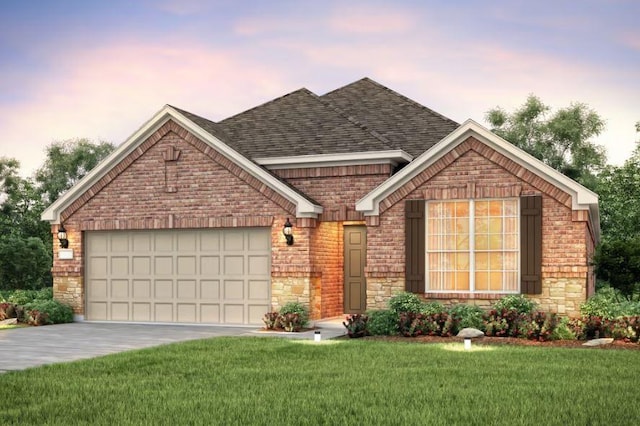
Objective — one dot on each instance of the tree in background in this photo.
(617, 258)
(561, 140)
(25, 240)
(67, 162)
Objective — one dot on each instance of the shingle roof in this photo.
(408, 125)
(299, 123)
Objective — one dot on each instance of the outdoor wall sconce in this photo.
(288, 233)
(62, 236)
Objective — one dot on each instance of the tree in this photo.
(67, 162)
(561, 140)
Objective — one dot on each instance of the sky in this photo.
(100, 69)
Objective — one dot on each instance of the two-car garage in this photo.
(187, 276)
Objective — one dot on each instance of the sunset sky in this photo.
(100, 69)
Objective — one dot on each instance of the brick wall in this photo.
(474, 170)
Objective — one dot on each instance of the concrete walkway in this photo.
(27, 347)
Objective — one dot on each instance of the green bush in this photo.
(606, 303)
(432, 308)
(22, 297)
(467, 315)
(517, 302)
(296, 308)
(618, 263)
(406, 302)
(383, 322)
(56, 312)
(563, 330)
(356, 325)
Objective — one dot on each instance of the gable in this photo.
(147, 136)
(506, 155)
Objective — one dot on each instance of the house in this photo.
(184, 221)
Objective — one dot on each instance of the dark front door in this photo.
(355, 257)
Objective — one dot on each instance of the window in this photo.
(473, 246)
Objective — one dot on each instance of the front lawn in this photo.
(280, 381)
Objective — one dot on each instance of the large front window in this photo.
(473, 246)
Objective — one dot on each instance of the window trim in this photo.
(472, 251)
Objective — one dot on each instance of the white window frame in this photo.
(472, 250)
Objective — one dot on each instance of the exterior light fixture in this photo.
(288, 233)
(62, 236)
(467, 344)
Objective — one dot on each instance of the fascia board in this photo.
(304, 208)
(327, 160)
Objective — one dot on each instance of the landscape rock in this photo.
(470, 333)
(9, 321)
(599, 342)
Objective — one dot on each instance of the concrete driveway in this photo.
(27, 347)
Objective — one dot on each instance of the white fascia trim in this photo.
(582, 198)
(393, 157)
(304, 208)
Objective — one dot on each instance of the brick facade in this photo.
(173, 180)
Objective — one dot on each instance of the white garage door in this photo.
(191, 276)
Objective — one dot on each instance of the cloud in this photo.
(364, 19)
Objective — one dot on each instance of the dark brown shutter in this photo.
(531, 244)
(414, 245)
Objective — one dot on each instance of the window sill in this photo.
(468, 296)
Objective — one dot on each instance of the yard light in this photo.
(288, 233)
(317, 336)
(467, 344)
(62, 237)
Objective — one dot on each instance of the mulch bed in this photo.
(508, 341)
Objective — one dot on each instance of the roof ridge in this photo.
(397, 94)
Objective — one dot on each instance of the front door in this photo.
(355, 257)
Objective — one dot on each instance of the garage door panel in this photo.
(210, 313)
(210, 266)
(120, 289)
(163, 289)
(119, 311)
(233, 290)
(187, 312)
(119, 243)
(190, 276)
(141, 312)
(141, 289)
(210, 289)
(233, 314)
(186, 289)
(256, 313)
(119, 266)
(163, 312)
(98, 311)
(141, 266)
(258, 265)
(233, 241)
(163, 242)
(163, 265)
(187, 265)
(258, 290)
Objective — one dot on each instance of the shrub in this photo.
(56, 312)
(606, 303)
(506, 323)
(542, 326)
(44, 294)
(430, 308)
(271, 320)
(438, 324)
(356, 325)
(22, 297)
(296, 308)
(7, 310)
(291, 322)
(563, 331)
(382, 322)
(517, 302)
(406, 302)
(35, 317)
(467, 315)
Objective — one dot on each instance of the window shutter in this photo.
(531, 244)
(414, 245)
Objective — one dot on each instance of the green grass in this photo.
(277, 381)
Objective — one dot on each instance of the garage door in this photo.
(190, 276)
